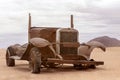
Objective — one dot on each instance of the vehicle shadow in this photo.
(64, 68)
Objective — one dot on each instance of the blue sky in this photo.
(92, 18)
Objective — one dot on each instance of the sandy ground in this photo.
(109, 71)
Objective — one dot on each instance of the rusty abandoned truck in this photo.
(49, 47)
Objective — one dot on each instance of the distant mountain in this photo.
(107, 41)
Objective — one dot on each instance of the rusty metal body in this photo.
(65, 40)
(50, 45)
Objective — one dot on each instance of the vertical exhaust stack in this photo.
(29, 26)
(72, 25)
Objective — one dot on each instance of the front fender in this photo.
(39, 42)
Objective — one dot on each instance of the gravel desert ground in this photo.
(109, 71)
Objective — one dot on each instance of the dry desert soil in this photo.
(109, 71)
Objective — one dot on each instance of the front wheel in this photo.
(10, 62)
(35, 60)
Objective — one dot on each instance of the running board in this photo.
(53, 60)
(15, 57)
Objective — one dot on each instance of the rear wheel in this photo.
(80, 66)
(35, 60)
(52, 65)
(92, 66)
(10, 62)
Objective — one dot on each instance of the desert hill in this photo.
(107, 41)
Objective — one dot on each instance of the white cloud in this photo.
(90, 16)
